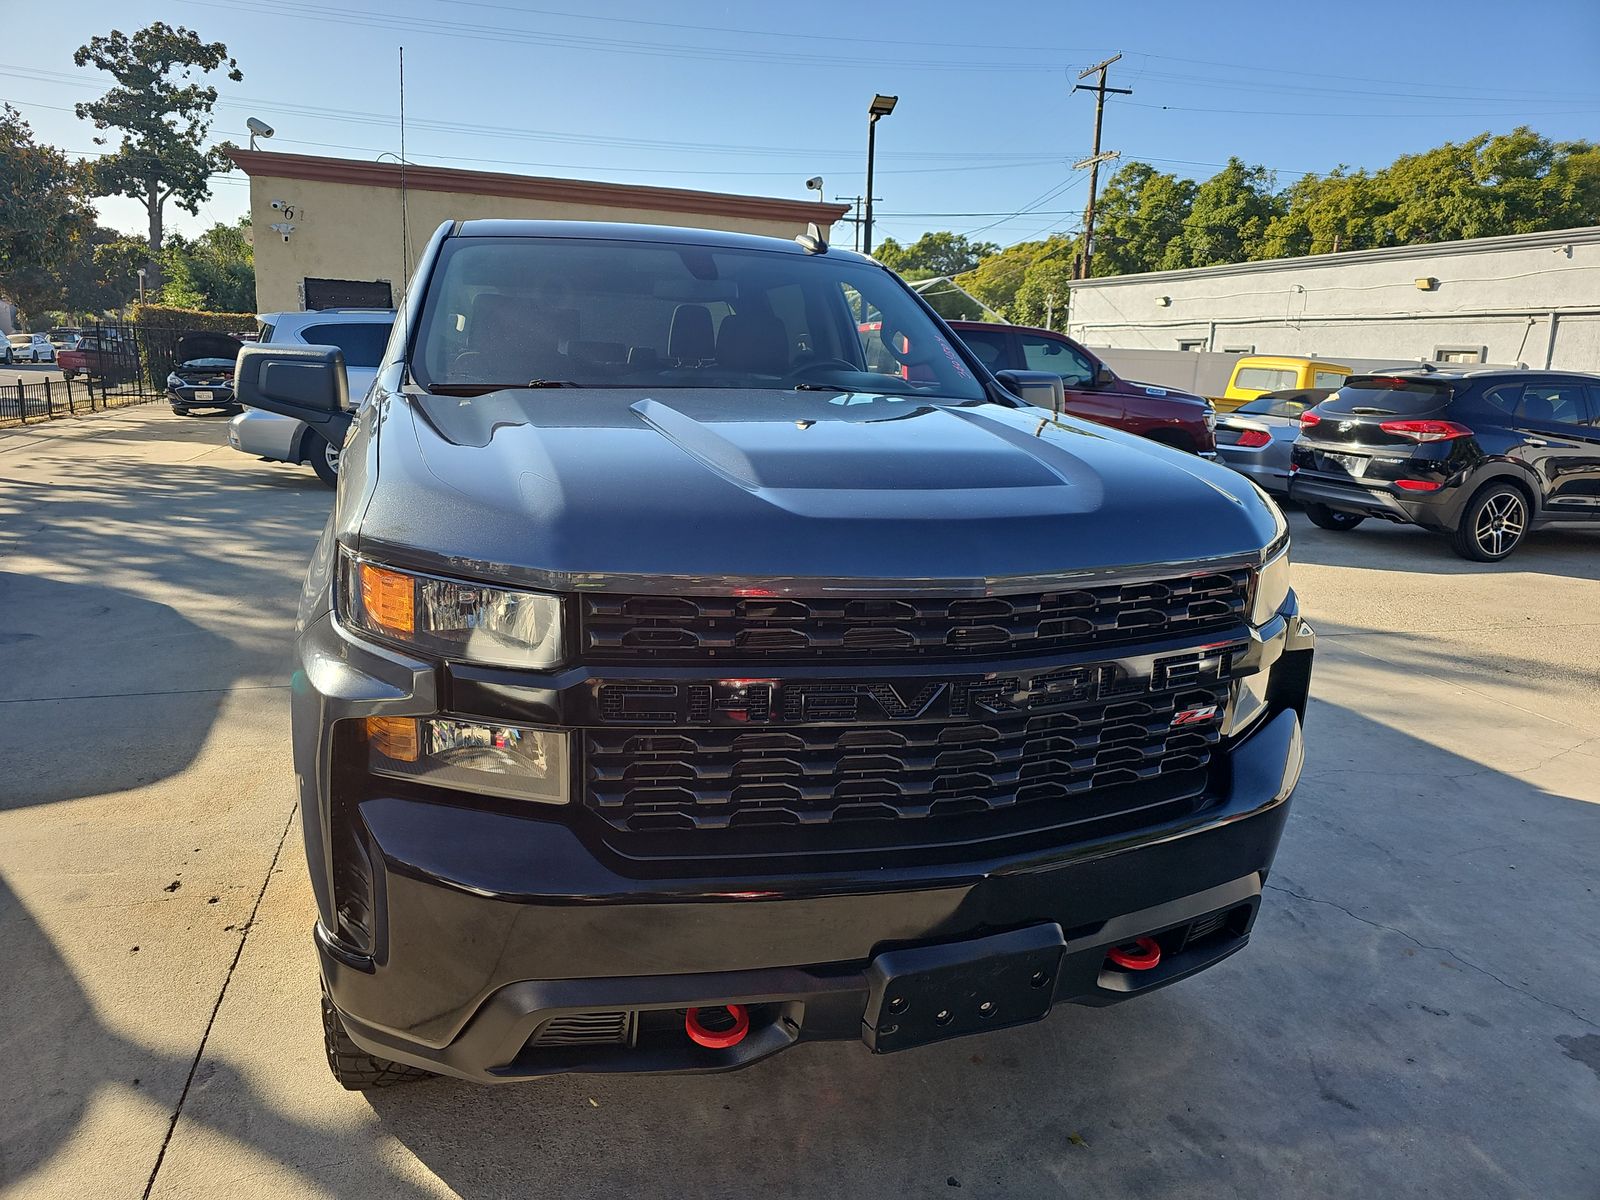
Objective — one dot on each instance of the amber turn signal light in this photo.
(394, 737)
(389, 600)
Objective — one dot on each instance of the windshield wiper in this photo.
(820, 387)
(1373, 412)
(550, 383)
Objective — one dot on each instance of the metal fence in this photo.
(130, 367)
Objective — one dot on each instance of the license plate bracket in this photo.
(1352, 464)
(931, 993)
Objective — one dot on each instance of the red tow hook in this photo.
(1146, 954)
(717, 1039)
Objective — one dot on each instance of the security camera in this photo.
(815, 183)
(277, 204)
(258, 127)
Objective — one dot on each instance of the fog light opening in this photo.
(718, 1028)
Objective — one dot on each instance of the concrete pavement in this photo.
(1418, 1013)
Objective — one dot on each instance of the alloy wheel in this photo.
(1500, 523)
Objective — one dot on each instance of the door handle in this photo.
(1533, 441)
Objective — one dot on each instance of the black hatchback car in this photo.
(1483, 456)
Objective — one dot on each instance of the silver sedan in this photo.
(1255, 439)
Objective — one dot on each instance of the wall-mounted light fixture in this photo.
(1425, 283)
(1163, 301)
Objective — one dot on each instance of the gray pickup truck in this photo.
(680, 678)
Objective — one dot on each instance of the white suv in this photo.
(362, 333)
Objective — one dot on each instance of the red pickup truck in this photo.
(88, 357)
(1093, 390)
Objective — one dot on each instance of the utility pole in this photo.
(1094, 160)
(1049, 310)
(854, 221)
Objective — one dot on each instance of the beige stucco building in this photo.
(329, 231)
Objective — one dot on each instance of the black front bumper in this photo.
(220, 396)
(490, 933)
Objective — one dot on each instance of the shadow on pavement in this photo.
(1568, 551)
(139, 596)
(62, 1058)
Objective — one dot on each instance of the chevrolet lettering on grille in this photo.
(773, 702)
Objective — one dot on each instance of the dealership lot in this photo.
(1419, 1011)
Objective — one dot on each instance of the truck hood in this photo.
(1131, 387)
(585, 487)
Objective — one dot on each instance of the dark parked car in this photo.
(1093, 390)
(1256, 438)
(1483, 456)
(673, 686)
(202, 376)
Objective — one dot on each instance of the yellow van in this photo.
(1258, 374)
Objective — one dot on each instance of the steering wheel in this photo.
(800, 374)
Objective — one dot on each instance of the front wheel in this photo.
(324, 458)
(1493, 525)
(353, 1067)
(1324, 517)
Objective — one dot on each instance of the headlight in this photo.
(1272, 587)
(492, 760)
(174, 382)
(446, 618)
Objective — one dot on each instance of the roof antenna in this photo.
(811, 240)
(405, 223)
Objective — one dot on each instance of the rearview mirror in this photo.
(304, 382)
(1042, 389)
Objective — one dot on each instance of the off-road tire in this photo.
(353, 1067)
(1494, 523)
(1324, 517)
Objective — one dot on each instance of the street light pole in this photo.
(881, 106)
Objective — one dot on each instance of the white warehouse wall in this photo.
(1529, 298)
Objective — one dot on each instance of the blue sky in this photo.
(757, 97)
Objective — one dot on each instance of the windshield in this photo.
(507, 312)
(1266, 379)
(1387, 396)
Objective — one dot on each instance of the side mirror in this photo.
(304, 382)
(1042, 389)
(1105, 376)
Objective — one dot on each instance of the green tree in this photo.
(1323, 214)
(1228, 220)
(43, 209)
(1138, 223)
(941, 253)
(1513, 183)
(164, 114)
(1042, 297)
(996, 279)
(215, 271)
(98, 272)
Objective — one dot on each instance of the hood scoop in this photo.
(877, 446)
